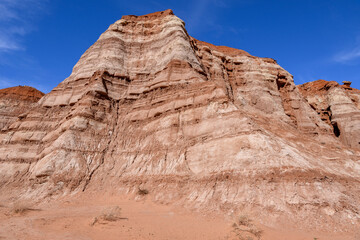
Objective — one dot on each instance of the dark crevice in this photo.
(280, 82)
(314, 108)
(336, 129)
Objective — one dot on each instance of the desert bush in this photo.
(142, 191)
(245, 229)
(244, 220)
(20, 207)
(256, 232)
(111, 214)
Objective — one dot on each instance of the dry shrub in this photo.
(244, 220)
(143, 191)
(245, 229)
(256, 232)
(21, 207)
(111, 214)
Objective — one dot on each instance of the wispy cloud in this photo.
(348, 56)
(16, 20)
(305, 77)
(5, 82)
(6, 44)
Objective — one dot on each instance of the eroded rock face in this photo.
(16, 101)
(207, 126)
(338, 106)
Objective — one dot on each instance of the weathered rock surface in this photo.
(15, 101)
(339, 106)
(206, 126)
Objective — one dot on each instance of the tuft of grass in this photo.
(142, 191)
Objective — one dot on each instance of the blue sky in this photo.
(41, 40)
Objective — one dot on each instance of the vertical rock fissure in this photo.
(229, 89)
(333, 124)
(281, 83)
(195, 51)
(111, 138)
(336, 129)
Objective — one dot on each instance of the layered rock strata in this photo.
(339, 106)
(206, 126)
(15, 101)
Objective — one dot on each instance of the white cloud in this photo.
(7, 45)
(348, 56)
(16, 18)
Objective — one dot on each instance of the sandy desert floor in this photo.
(99, 217)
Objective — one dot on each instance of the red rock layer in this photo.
(209, 127)
(22, 93)
(15, 101)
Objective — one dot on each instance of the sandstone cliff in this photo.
(209, 127)
(339, 106)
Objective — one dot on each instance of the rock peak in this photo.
(224, 49)
(150, 16)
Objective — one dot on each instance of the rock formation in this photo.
(15, 101)
(339, 106)
(209, 127)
